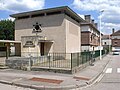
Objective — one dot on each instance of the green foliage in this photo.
(7, 30)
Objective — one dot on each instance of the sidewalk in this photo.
(53, 81)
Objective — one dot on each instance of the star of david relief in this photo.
(37, 28)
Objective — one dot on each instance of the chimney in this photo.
(96, 25)
(88, 18)
(113, 30)
(92, 21)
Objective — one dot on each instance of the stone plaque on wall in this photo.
(31, 41)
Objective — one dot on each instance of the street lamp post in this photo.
(109, 43)
(100, 33)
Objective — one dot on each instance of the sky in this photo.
(110, 18)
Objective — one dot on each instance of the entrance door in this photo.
(42, 48)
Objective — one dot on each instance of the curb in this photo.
(67, 87)
(98, 75)
(3, 67)
(6, 82)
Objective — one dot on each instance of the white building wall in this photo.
(115, 48)
(107, 41)
(90, 48)
(85, 28)
(85, 48)
(115, 37)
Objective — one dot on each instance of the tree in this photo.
(7, 29)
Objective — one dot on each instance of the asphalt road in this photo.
(111, 76)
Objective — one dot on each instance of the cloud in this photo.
(110, 16)
(21, 5)
(96, 4)
(107, 27)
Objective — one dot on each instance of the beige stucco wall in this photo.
(73, 36)
(53, 27)
(61, 29)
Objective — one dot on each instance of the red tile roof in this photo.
(105, 37)
(117, 33)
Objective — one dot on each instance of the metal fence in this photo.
(52, 60)
(64, 61)
(47, 61)
(80, 58)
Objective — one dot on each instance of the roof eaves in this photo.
(65, 8)
(36, 11)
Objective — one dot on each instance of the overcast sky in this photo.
(110, 16)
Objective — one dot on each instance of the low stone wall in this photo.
(24, 62)
(2, 60)
(80, 67)
(17, 63)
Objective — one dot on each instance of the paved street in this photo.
(111, 76)
(9, 87)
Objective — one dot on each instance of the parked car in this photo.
(116, 52)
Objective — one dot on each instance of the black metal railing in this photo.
(65, 61)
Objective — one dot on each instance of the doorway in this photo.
(42, 47)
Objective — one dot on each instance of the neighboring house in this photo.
(106, 41)
(59, 31)
(115, 36)
(90, 36)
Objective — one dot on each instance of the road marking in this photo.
(109, 70)
(118, 70)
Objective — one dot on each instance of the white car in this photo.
(116, 52)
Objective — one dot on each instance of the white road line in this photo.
(109, 70)
(118, 70)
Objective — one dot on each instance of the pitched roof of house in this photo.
(117, 33)
(105, 37)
